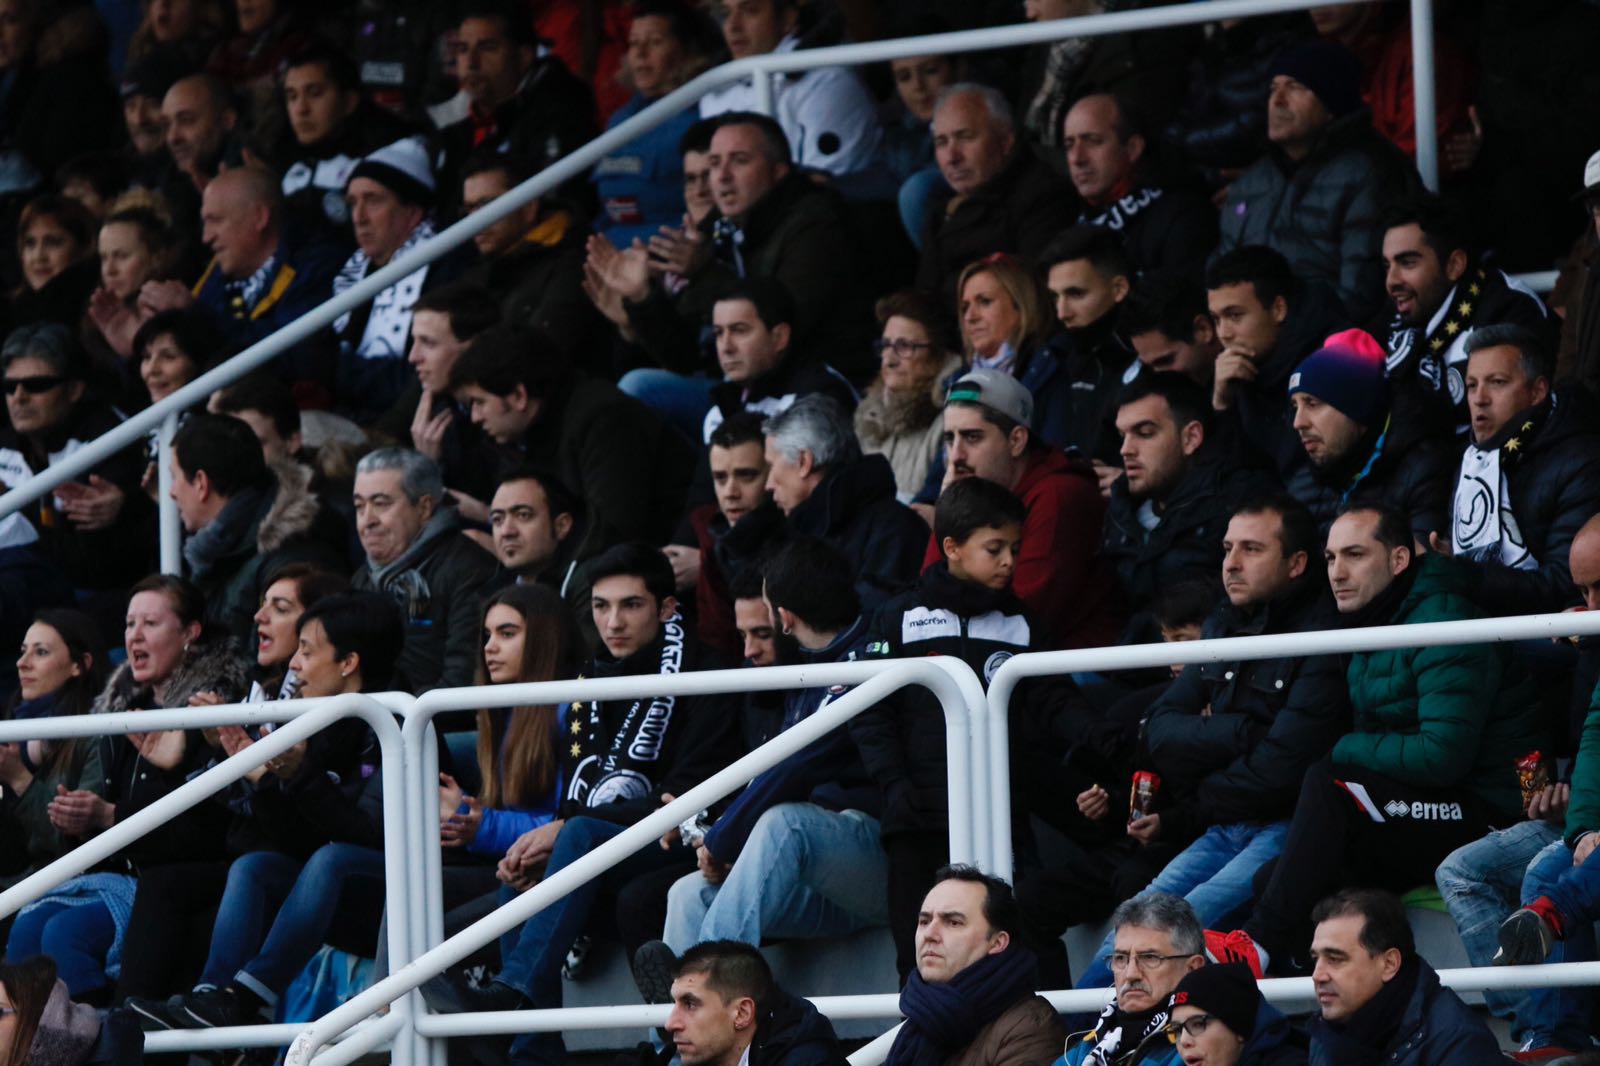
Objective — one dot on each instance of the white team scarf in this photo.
(1484, 528)
(389, 324)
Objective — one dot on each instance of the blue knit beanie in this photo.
(1347, 373)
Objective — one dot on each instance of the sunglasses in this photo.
(32, 385)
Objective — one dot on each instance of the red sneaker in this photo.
(1543, 1054)
(1235, 947)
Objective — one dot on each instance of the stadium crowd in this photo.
(1123, 339)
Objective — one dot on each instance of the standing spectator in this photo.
(1436, 729)
(1164, 226)
(1001, 198)
(828, 489)
(417, 553)
(669, 42)
(521, 98)
(899, 415)
(56, 246)
(970, 998)
(827, 115)
(1316, 194)
(391, 194)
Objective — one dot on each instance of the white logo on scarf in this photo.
(1483, 527)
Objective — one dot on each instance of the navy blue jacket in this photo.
(1435, 1028)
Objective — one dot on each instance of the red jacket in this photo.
(1060, 577)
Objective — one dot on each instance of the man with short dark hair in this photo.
(245, 519)
(1357, 445)
(1431, 760)
(971, 997)
(1170, 506)
(265, 404)
(1316, 194)
(1165, 226)
(537, 524)
(1169, 324)
(1001, 198)
(1380, 1002)
(1529, 478)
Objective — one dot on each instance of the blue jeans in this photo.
(681, 399)
(805, 873)
(1216, 874)
(77, 937)
(532, 956)
(1482, 884)
(276, 913)
(1559, 1017)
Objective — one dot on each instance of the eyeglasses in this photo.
(32, 385)
(902, 347)
(1145, 961)
(7, 1010)
(1193, 1026)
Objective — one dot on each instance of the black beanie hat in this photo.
(1226, 991)
(1327, 69)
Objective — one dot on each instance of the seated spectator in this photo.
(827, 115)
(628, 467)
(962, 606)
(1156, 943)
(899, 414)
(417, 553)
(251, 62)
(1005, 325)
(1170, 506)
(1267, 322)
(47, 1026)
(1435, 731)
(521, 98)
(187, 32)
(137, 245)
(290, 590)
(391, 194)
(1220, 1018)
(1316, 195)
(768, 221)
(332, 127)
(199, 116)
(669, 42)
(56, 246)
(1001, 198)
(1529, 479)
(796, 854)
(1358, 445)
(532, 259)
(970, 998)
(1089, 278)
(1577, 294)
(145, 81)
(1379, 1000)
(1168, 322)
(61, 670)
(727, 1010)
(82, 923)
(734, 535)
(95, 180)
(1442, 294)
(537, 524)
(1164, 226)
(1059, 573)
(319, 826)
(99, 531)
(824, 485)
(244, 518)
(1231, 740)
(908, 125)
(625, 756)
(171, 349)
(763, 369)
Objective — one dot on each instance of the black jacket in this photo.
(1413, 473)
(1554, 489)
(1167, 228)
(333, 797)
(623, 755)
(791, 1032)
(1435, 1029)
(541, 285)
(1075, 380)
(854, 508)
(1019, 210)
(1268, 721)
(1185, 545)
(796, 377)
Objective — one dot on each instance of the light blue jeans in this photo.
(1559, 1017)
(1216, 874)
(1481, 885)
(805, 872)
(681, 399)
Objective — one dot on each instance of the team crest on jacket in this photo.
(992, 665)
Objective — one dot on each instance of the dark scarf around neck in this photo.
(1366, 1033)
(942, 1019)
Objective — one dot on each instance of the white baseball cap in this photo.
(1591, 173)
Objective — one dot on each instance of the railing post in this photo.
(170, 527)
(762, 80)
(1422, 84)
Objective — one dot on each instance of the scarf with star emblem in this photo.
(1434, 347)
(1484, 527)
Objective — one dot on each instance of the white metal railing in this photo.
(762, 69)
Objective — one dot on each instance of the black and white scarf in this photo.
(1122, 211)
(609, 768)
(389, 321)
(1114, 1037)
(1484, 525)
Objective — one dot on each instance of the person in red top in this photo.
(1059, 574)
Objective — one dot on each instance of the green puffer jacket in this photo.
(1583, 813)
(1457, 715)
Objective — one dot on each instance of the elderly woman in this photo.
(899, 416)
(1220, 1019)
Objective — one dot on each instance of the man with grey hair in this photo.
(1001, 197)
(411, 531)
(1157, 941)
(828, 489)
